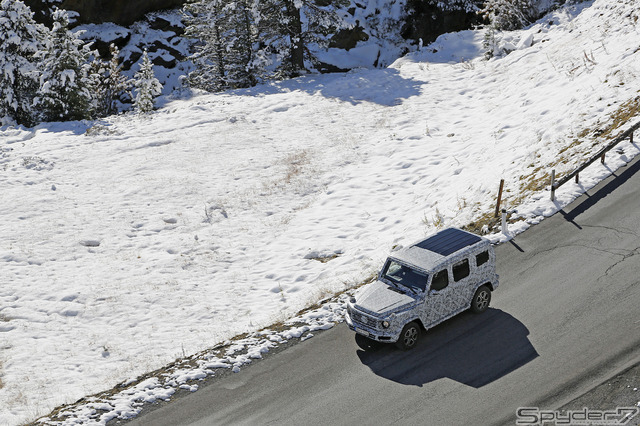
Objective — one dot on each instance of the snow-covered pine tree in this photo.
(226, 55)
(204, 20)
(289, 26)
(64, 85)
(147, 86)
(22, 41)
(244, 66)
(509, 14)
(107, 83)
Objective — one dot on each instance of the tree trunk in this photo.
(296, 57)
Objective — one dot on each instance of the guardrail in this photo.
(600, 154)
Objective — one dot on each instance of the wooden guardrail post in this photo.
(505, 231)
(553, 185)
(499, 198)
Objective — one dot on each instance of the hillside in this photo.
(129, 242)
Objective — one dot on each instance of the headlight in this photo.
(385, 324)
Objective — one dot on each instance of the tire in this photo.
(481, 299)
(409, 336)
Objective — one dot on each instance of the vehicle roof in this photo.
(433, 251)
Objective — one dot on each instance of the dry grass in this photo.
(325, 259)
(577, 151)
(295, 163)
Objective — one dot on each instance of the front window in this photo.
(405, 276)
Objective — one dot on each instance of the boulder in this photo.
(121, 12)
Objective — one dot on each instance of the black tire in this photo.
(409, 336)
(481, 299)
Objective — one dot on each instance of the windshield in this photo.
(405, 276)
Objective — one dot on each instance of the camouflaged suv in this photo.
(424, 284)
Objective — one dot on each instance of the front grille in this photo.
(363, 320)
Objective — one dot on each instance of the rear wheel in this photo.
(481, 299)
(409, 336)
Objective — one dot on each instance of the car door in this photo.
(463, 283)
(439, 300)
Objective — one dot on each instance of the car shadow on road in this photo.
(471, 349)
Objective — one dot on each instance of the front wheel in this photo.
(409, 336)
(481, 299)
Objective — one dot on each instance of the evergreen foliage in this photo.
(204, 21)
(22, 41)
(509, 14)
(64, 85)
(147, 86)
(244, 42)
(245, 65)
(107, 84)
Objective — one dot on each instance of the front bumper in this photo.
(380, 335)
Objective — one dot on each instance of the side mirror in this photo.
(433, 292)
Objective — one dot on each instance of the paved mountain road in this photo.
(565, 318)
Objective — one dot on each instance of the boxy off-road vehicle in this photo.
(424, 284)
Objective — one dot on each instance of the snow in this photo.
(130, 242)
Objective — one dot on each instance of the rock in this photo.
(348, 38)
(90, 243)
(122, 12)
(428, 21)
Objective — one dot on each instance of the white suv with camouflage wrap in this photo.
(424, 284)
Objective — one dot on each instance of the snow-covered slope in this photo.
(130, 242)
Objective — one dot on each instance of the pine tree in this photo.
(243, 64)
(241, 40)
(226, 56)
(107, 84)
(290, 26)
(64, 85)
(147, 85)
(22, 41)
(508, 14)
(204, 21)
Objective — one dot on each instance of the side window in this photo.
(482, 258)
(440, 280)
(461, 270)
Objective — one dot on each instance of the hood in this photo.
(381, 298)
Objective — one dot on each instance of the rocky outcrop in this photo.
(428, 20)
(121, 12)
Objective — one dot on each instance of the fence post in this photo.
(553, 185)
(504, 222)
(499, 198)
(602, 158)
(631, 137)
(577, 177)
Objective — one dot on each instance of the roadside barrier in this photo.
(628, 134)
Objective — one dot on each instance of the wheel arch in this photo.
(489, 284)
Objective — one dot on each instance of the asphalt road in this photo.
(565, 318)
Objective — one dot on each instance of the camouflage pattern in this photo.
(381, 309)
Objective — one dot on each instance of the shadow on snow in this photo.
(380, 86)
